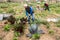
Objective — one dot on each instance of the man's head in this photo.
(38, 6)
(25, 5)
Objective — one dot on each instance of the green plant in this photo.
(36, 36)
(7, 27)
(3, 5)
(15, 38)
(51, 32)
(17, 34)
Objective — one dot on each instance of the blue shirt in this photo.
(30, 11)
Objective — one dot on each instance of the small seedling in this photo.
(7, 27)
(15, 38)
(17, 34)
(36, 36)
(51, 32)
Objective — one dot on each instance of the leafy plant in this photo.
(17, 34)
(10, 10)
(7, 27)
(36, 36)
(15, 38)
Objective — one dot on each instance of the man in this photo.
(46, 6)
(29, 12)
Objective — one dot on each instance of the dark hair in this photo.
(27, 9)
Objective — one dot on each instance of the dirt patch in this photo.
(9, 36)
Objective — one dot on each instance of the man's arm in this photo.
(31, 10)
